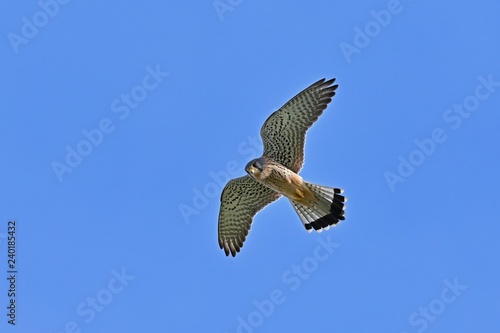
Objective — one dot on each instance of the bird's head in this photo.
(254, 167)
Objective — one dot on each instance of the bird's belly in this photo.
(290, 185)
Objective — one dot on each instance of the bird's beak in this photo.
(250, 170)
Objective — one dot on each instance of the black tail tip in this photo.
(335, 216)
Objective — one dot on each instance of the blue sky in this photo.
(118, 118)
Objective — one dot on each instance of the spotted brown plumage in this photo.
(241, 199)
(284, 132)
(275, 173)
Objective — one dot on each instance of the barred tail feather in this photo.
(326, 212)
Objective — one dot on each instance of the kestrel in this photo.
(275, 173)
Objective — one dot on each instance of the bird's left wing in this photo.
(241, 199)
(284, 132)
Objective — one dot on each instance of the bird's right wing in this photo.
(241, 199)
(284, 132)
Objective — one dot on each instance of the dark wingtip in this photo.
(327, 89)
(330, 82)
(323, 83)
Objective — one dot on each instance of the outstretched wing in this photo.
(284, 132)
(241, 199)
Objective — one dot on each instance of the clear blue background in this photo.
(120, 208)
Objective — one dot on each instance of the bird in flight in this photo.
(275, 173)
